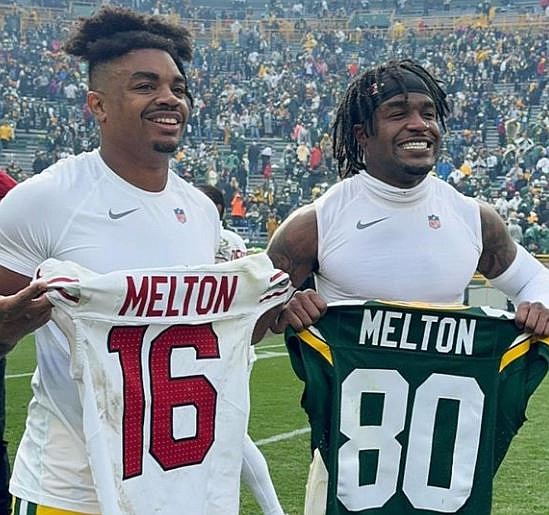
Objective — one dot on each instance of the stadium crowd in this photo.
(261, 127)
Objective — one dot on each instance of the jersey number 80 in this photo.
(417, 462)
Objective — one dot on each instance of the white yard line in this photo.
(273, 346)
(283, 436)
(264, 441)
(267, 355)
(13, 376)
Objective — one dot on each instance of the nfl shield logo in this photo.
(180, 215)
(434, 221)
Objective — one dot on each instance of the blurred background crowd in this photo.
(267, 77)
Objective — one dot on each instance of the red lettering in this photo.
(155, 295)
(207, 288)
(170, 310)
(134, 298)
(169, 392)
(224, 295)
(128, 342)
(190, 281)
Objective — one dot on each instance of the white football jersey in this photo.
(160, 359)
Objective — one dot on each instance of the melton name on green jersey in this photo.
(413, 406)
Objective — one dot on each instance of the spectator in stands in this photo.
(501, 205)
(271, 224)
(238, 209)
(40, 162)
(532, 237)
(515, 230)
(543, 163)
(544, 239)
(266, 156)
(7, 134)
(253, 157)
(15, 171)
(444, 167)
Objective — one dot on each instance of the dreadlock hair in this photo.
(360, 102)
(114, 31)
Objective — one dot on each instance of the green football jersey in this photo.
(413, 407)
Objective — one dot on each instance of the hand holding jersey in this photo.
(303, 309)
(160, 358)
(22, 313)
(423, 404)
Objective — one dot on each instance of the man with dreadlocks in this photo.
(391, 230)
(117, 207)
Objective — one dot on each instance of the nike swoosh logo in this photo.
(116, 216)
(360, 225)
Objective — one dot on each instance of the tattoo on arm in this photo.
(279, 255)
(499, 249)
(293, 248)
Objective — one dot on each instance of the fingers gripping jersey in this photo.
(413, 408)
(160, 359)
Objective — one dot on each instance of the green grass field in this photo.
(520, 487)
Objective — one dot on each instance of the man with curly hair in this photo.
(117, 207)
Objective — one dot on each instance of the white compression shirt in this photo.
(376, 241)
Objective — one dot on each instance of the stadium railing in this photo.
(294, 30)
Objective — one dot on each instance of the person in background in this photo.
(255, 471)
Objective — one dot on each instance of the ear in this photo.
(96, 104)
(360, 134)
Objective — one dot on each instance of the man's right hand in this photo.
(22, 313)
(301, 311)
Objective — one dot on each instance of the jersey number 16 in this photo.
(166, 394)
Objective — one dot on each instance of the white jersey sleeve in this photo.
(160, 358)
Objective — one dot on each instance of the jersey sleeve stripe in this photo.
(520, 350)
(271, 294)
(317, 344)
(277, 276)
(56, 280)
(59, 284)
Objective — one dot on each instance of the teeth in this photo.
(414, 145)
(169, 121)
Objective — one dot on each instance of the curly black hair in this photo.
(114, 31)
(358, 105)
